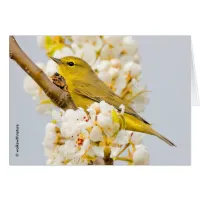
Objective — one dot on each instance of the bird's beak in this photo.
(58, 61)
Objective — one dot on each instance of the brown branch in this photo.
(59, 97)
(107, 159)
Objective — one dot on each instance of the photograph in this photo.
(100, 100)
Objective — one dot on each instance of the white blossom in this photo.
(105, 77)
(69, 129)
(89, 54)
(98, 150)
(137, 138)
(115, 63)
(97, 44)
(41, 41)
(114, 72)
(123, 137)
(96, 134)
(129, 45)
(49, 138)
(30, 86)
(104, 120)
(132, 68)
(109, 52)
(113, 40)
(51, 68)
(120, 84)
(125, 58)
(103, 65)
(56, 115)
(66, 51)
(80, 136)
(105, 108)
(141, 155)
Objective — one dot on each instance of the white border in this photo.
(91, 17)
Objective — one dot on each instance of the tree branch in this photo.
(59, 97)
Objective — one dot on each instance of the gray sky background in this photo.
(166, 68)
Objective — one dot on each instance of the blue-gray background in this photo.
(166, 66)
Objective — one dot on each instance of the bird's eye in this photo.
(70, 63)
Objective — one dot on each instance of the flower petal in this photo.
(133, 68)
(114, 151)
(114, 72)
(86, 144)
(104, 120)
(41, 41)
(105, 107)
(125, 58)
(57, 54)
(51, 68)
(105, 77)
(103, 65)
(66, 51)
(56, 115)
(137, 138)
(96, 134)
(122, 137)
(50, 127)
(98, 151)
(70, 129)
(141, 155)
(45, 109)
(89, 54)
(113, 40)
(120, 84)
(30, 86)
(97, 44)
(115, 63)
(129, 45)
(108, 52)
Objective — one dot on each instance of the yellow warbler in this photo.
(86, 88)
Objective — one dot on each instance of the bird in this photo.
(86, 88)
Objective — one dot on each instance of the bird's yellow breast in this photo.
(81, 101)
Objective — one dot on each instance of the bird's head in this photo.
(71, 65)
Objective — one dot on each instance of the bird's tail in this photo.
(132, 123)
(153, 132)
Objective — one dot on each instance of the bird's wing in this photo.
(99, 91)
